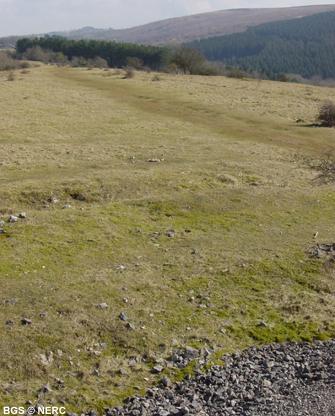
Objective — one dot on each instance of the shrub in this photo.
(188, 60)
(134, 62)
(172, 68)
(37, 54)
(209, 69)
(99, 62)
(79, 62)
(11, 76)
(234, 72)
(283, 78)
(130, 73)
(107, 73)
(156, 78)
(58, 58)
(6, 62)
(42, 55)
(25, 65)
(327, 114)
(117, 72)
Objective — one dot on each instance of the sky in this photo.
(18, 17)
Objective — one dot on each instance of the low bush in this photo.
(8, 62)
(36, 53)
(134, 62)
(98, 62)
(11, 76)
(130, 73)
(234, 72)
(327, 114)
(79, 62)
(187, 60)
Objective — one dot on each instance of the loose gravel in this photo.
(277, 380)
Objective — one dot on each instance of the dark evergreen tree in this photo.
(116, 54)
(303, 46)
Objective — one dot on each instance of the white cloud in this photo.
(38, 16)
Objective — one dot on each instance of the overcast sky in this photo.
(39, 16)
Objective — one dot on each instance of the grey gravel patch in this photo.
(277, 380)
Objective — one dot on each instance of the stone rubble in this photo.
(276, 380)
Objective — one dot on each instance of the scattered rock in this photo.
(102, 306)
(12, 219)
(165, 382)
(323, 250)
(228, 179)
(47, 358)
(170, 233)
(123, 317)
(157, 369)
(45, 389)
(130, 326)
(121, 267)
(155, 160)
(67, 206)
(262, 324)
(12, 301)
(59, 382)
(26, 321)
(78, 196)
(53, 200)
(123, 372)
(22, 215)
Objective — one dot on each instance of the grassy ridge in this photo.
(232, 183)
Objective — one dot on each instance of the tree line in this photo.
(114, 53)
(96, 53)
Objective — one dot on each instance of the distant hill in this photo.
(183, 29)
(303, 46)
(8, 42)
(188, 28)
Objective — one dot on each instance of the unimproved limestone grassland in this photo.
(204, 246)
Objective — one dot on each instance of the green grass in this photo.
(239, 256)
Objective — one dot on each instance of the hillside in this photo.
(183, 29)
(160, 213)
(302, 46)
(188, 28)
(8, 42)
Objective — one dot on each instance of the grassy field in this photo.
(233, 182)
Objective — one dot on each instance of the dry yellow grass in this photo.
(233, 182)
